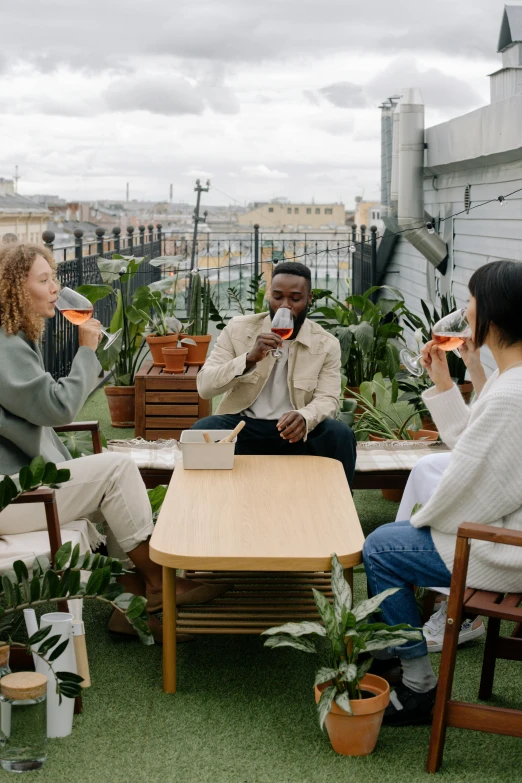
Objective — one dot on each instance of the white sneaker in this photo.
(433, 630)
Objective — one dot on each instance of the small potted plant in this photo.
(175, 356)
(150, 304)
(350, 701)
(200, 301)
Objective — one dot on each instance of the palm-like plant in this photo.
(348, 633)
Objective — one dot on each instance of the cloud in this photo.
(147, 93)
(439, 89)
(336, 126)
(263, 172)
(345, 95)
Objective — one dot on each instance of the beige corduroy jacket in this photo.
(314, 369)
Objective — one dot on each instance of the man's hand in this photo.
(89, 334)
(292, 426)
(264, 343)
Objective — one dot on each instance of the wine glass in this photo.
(283, 325)
(77, 310)
(448, 333)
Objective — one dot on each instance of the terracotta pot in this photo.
(466, 389)
(423, 434)
(428, 423)
(395, 495)
(156, 344)
(198, 353)
(357, 734)
(175, 359)
(121, 405)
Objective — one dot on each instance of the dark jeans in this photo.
(400, 555)
(331, 438)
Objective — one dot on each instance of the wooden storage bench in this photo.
(167, 404)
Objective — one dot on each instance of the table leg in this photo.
(348, 575)
(169, 630)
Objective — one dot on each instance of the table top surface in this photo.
(269, 513)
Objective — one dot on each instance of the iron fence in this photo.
(343, 262)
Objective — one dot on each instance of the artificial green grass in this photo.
(246, 714)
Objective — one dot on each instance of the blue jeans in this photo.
(399, 555)
(331, 438)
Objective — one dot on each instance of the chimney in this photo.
(7, 187)
(507, 81)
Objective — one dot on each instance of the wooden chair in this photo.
(496, 606)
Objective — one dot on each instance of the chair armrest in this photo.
(496, 535)
(48, 497)
(85, 426)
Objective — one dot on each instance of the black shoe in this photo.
(416, 709)
(389, 669)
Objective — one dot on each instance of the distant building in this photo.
(294, 216)
(21, 216)
(368, 213)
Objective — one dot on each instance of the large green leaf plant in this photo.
(348, 631)
(370, 333)
(125, 355)
(383, 413)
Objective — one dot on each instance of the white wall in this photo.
(486, 234)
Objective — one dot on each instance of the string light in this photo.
(431, 229)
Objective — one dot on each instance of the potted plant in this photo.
(412, 389)
(369, 332)
(176, 356)
(456, 366)
(384, 416)
(350, 702)
(124, 357)
(152, 305)
(22, 589)
(198, 317)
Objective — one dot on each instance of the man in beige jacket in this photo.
(289, 405)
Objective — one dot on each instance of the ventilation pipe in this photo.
(410, 188)
(394, 188)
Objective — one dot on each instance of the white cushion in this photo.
(28, 546)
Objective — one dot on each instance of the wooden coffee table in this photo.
(269, 526)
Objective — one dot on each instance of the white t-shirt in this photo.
(274, 399)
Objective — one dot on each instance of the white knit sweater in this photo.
(483, 482)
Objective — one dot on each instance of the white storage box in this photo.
(198, 455)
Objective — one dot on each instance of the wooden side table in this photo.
(167, 404)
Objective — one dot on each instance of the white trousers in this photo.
(106, 487)
(422, 482)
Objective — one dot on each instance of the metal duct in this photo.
(410, 181)
(394, 196)
(386, 142)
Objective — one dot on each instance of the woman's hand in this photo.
(89, 334)
(470, 355)
(435, 360)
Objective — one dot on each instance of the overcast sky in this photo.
(266, 97)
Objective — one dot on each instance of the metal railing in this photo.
(342, 263)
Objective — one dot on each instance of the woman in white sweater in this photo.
(482, 483)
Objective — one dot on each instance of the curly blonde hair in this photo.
(16, 310)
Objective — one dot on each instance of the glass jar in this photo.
(23, 735)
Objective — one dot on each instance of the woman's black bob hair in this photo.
(497, 288)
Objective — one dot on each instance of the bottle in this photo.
(23, 735)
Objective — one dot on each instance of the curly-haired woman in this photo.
(32, 403)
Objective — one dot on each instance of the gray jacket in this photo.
(32, 402)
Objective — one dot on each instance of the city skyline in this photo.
(262, 101)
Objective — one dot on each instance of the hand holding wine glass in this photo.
(282, 325)
(448, 334)
(78, 310)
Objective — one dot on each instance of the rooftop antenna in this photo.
(170, 194)
(16, 178)
(127, 192)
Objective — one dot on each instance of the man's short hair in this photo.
(293, 268)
